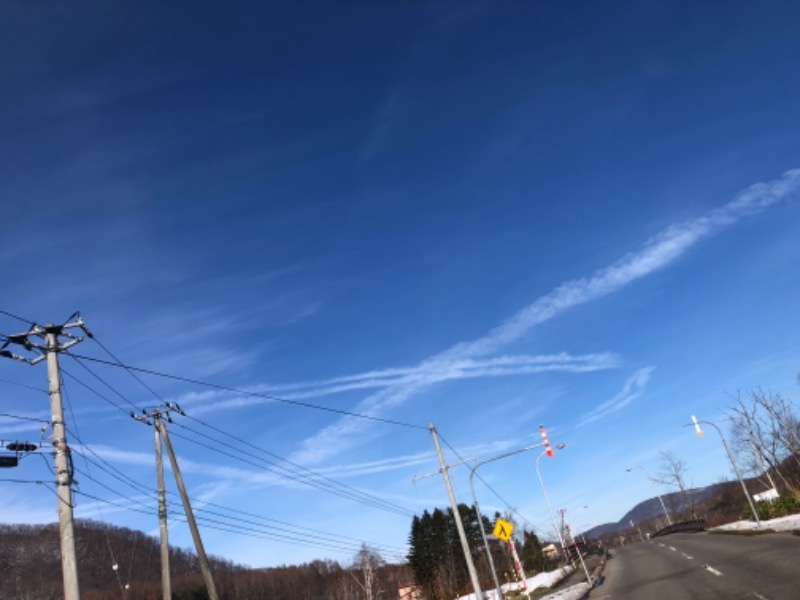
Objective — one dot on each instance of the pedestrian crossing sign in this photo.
(502, 529)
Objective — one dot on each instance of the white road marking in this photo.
(711, 569)
(687, 556)
(660, 544)
(759, 596)
(672, 548)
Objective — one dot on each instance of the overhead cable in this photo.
(250, 393)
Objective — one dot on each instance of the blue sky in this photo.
(486, 216)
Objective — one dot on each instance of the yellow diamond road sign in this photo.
(503, 529)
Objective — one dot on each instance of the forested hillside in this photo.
(30, 564)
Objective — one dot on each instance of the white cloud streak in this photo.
(658, 252)
(467, 368)
(634, 387)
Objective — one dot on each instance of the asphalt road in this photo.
(704, 566)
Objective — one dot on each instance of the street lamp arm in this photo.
(655, 483)
(478, 508)
(733, 464)
(507, 454)
(714, 425)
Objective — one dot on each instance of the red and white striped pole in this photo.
(518, 565)
(548, 450)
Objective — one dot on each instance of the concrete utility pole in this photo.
(63, 468)
(473, 574)
(187, 508)
(166, 588)
(48, 350)
(160, 432)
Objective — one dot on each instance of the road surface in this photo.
(704, 566)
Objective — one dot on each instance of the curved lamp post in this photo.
(582, 529)
(478, 509)
(553, 514)
(696, 424)
(547, 498)
(653, 481)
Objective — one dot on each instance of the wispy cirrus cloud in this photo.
(634, 387)
(658, 252)
(466, 368)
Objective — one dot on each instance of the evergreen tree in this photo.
(436, 556)
(531, 555)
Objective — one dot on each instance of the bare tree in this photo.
(764, 430)
(673, 473)
(366, 563)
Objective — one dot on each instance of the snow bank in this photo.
(573, 592)
(547, 579)
(788, 523)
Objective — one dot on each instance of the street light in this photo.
(696, 424)
(653, 481)
(577, 548)
(553, 514)
(478, 509)
(582, 528)
(547, 498)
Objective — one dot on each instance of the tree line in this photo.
(437, 559)
(764, 435)
(30, 569)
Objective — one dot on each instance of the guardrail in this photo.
(683, 526)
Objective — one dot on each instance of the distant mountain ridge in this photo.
(651, 508)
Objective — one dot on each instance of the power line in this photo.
(367, 500)
(491, 489)
(22, 385)
(309, 477)
(249, 393)
(282, 526)
(292, 528)
(119, 363)
(271, 454)
(235, 529)
(218, 430)
(18, 318)
(22, 418)
(104, 527)
(311, 473)
(105, 383)
(112, 471)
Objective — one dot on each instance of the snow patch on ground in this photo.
(573, 592)
(547, 580)
(788, 523)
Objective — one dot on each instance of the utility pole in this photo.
(163, 531)
(473, 574)
(158, 416)
(166, 588)
(63, 468)
(48, 351)
(187, 508)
